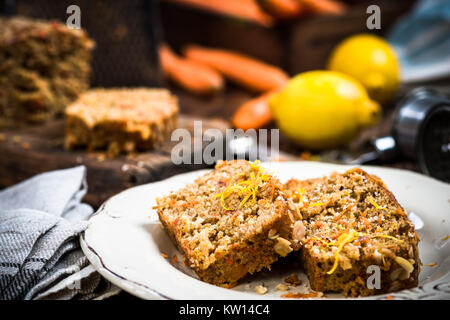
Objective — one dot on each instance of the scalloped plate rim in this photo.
(146, 291)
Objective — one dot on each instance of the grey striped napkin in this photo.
(40, 255)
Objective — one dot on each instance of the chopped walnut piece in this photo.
(282, 287)
(282, 247)
(260, 289)
(396, 274)
(405, 264)
(299, 231)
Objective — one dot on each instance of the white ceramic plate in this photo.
(125, 240)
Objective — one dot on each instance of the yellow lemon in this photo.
(370, 60)
(323, 109)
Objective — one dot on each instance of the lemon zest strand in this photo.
(342, 240)
(248, 188)
(383, 236)
(316, 204)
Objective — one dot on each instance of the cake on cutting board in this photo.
(121, 119)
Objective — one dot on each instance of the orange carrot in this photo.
(191, 75)
(255, 113)
(324, 6)
(244, 9)
(248, 72)
(283, 9)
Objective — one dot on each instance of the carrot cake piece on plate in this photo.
(231, 221)
(354, 226)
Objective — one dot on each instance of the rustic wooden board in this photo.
(35, 149)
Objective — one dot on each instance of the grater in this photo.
(420, 131)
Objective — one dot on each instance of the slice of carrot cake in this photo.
(231, 221)
(44, 66)
(121, 120)
(354, 225)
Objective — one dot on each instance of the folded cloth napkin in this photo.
(40, 256)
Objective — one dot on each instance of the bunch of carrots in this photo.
(265, 12)
(203, 70)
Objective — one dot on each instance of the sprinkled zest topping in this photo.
(348, 237)
(246, 188)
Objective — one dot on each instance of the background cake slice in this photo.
(43, 67)
(231, 221)
(353, 222)
(121, 120)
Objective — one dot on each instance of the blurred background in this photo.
(294, 37)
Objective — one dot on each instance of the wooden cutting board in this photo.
(31, 150)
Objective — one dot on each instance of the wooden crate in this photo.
(300, 45)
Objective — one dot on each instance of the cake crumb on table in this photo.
(293, 280)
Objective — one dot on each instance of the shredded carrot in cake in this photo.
(348, 208)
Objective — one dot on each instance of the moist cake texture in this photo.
(231, 221)
(353, 222)
(121, 120)
(43, 67)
